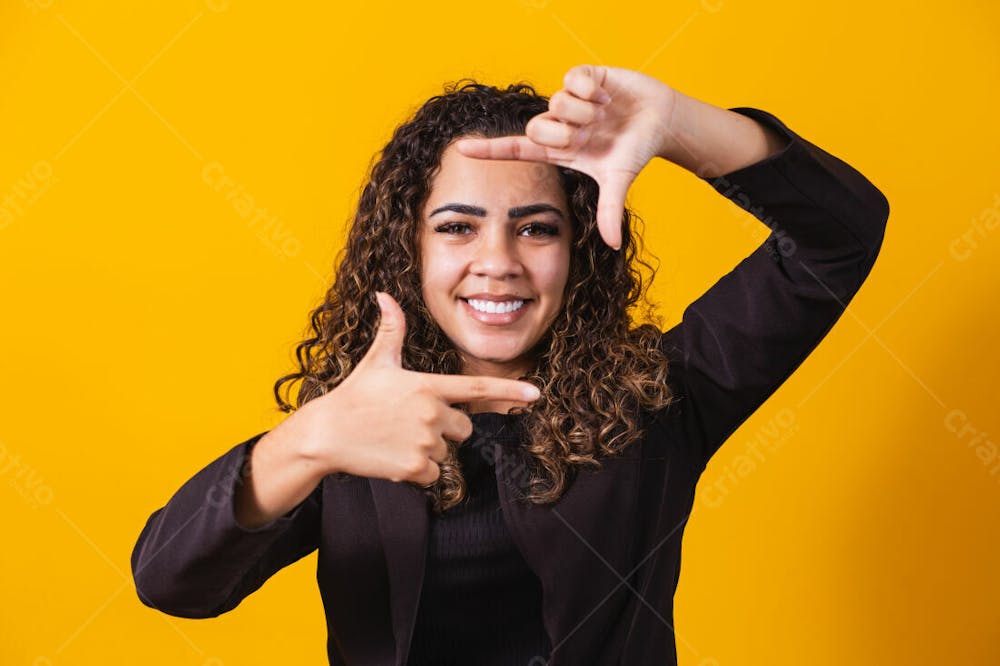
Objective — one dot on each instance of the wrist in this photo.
(710, 141)
(303, 445)
(677, 117)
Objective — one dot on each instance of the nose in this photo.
(496, 256)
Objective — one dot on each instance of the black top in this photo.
(608, 553)
(478, 597)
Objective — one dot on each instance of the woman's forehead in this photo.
(497, 182)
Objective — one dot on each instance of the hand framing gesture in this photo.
(387, 422)
(606, 122)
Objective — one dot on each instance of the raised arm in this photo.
(742, 339)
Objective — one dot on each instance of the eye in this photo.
(453, 228)
(540, 229)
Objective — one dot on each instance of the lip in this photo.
(495, 318)
(499, 298)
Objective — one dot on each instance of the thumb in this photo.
(387, 347)
(611, 207)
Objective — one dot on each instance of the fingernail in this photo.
(604, 98)
(531, 393)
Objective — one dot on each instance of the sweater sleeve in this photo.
(739, 341)
(192, 558)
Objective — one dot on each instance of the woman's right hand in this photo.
(387, 422)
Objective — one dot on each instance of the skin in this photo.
(466, 252)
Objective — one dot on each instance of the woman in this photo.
(495, 463)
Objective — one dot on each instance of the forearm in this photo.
(711, 141)
(279, 478)
(743, 338)
(192, 559)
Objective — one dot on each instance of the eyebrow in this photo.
(513, 213)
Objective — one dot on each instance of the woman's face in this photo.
(494, 241)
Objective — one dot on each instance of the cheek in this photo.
(440, 275)
(554, 273)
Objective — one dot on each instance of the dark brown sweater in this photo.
(480, 602)
(608, 554)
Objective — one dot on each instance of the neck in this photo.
(480, 368)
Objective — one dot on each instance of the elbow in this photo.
(876, 220)
(171, 606)
(162, 595)
(171, 593)
(879, 213)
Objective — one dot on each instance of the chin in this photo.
(494, 353)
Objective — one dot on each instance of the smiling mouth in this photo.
(496, 312)
(495, 307)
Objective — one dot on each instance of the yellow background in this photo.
(145, 318)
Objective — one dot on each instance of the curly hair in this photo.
(597, 371)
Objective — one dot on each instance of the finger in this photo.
(439, 453)
(554, 134)
(387, 347)
(428, 475)
(611, 208)
(455, 389)
(503, 148)
(568, 108)
(457, 425)
(587, 82)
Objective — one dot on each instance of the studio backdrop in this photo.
(175, 181)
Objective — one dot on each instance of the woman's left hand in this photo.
(607, 122)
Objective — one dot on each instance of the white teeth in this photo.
(494, 307)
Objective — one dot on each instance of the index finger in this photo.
(503, 148)
(463, 388)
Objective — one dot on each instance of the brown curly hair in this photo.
(596, 371)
